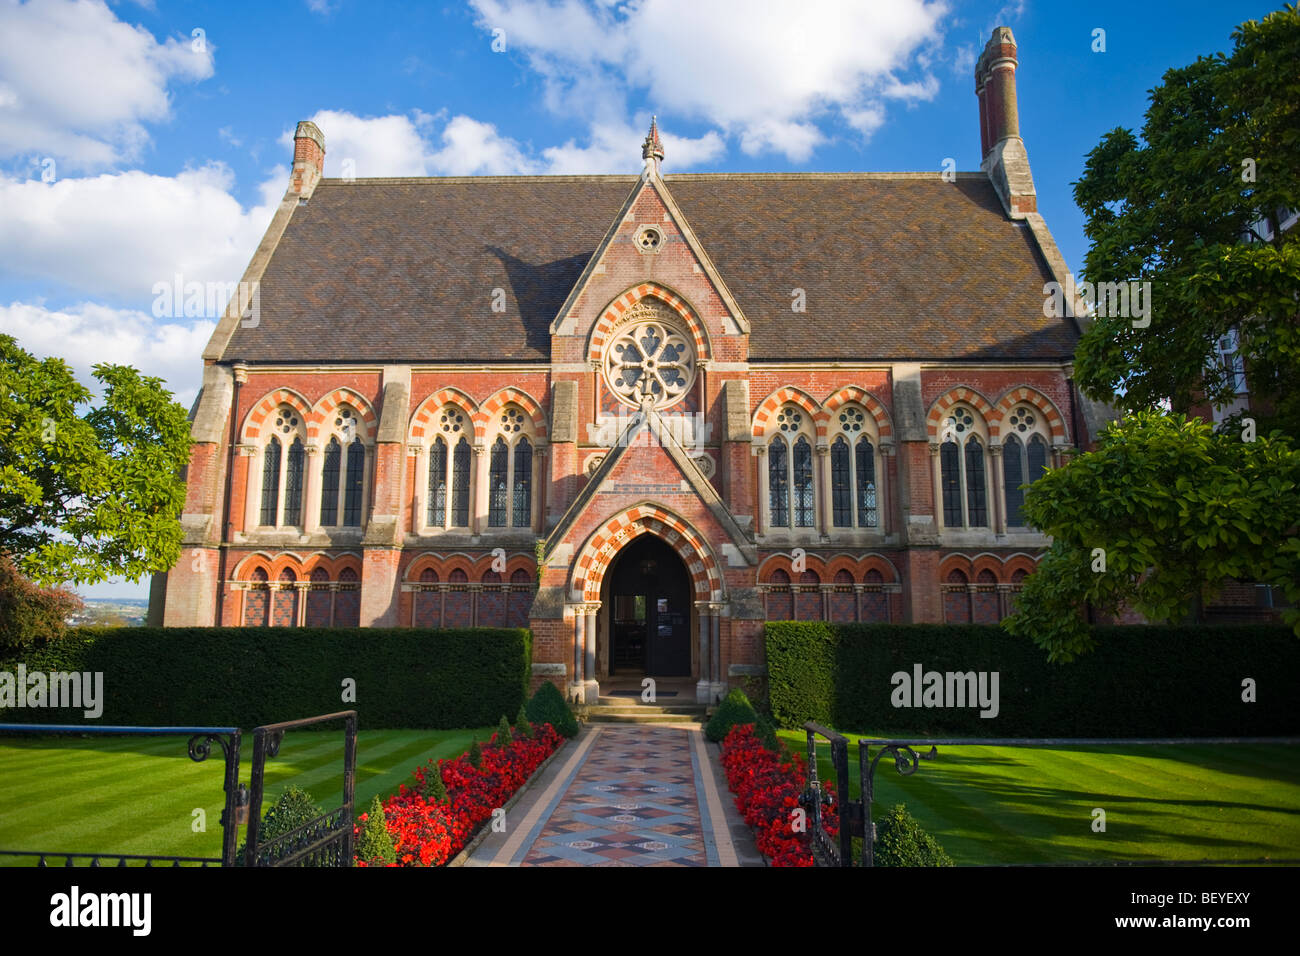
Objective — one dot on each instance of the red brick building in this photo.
(640, 414)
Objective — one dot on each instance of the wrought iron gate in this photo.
(325, 841)
(855, 815)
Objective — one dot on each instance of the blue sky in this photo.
(139, 141)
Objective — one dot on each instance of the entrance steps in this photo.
(630, 710)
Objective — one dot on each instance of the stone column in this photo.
(884, 505)
(579, 635)
(704, 686)
(311, 480)
(822, 483)
(761, 496)
(419, 506)
(253, 497)
(997, 490)
(936, 481)
(478, 487)
(717, 684)
(590, 686)
(537, 506)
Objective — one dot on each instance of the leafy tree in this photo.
(1159, 515)
(1195, 208)
(88, 491)
(30, 614)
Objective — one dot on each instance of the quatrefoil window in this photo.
(1022, 419)
(286, 420)
(960, 421)
(650, 359)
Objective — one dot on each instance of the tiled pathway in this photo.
(625, 795)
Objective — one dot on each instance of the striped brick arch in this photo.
(786, 395)
(327, 404)
(425, 420)
(267, 406)
(600, 549)
(1024, 395)
(952, 397)
(612, 317)
(500, 400)
(852, 393)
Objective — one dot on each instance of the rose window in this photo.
(851, 420)
(452, 419)
(789, 419)
(650, 361)
(512, 420)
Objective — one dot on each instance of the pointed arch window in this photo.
(353, 484)
(510, 472)
(791, 496)
(460, 485)
(437, 510)
(853, 473)
(282, 471)
(1024, 459)
(962, 471)
(329, 490)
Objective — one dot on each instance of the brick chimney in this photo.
(1003, 151)
(308, 159)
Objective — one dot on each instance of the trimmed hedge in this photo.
(736, 709)
(900, 841)
(405, 677)
(1141, 681)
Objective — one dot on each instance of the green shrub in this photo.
(294, 809)
(475, 755)
(522, 724)
(547, 706)
(1141, 681)
(503, 732)
(900, 841)
(734, 709)
(405, 677)
(375, 845)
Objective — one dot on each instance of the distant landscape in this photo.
(111, 612)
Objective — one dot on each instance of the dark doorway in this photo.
(650, 611)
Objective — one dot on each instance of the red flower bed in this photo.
(427, 833)
(767, 786)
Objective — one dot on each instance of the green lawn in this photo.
(137, 794)
(1034, 805)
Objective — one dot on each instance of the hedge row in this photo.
(1141, 681)
(244, 677)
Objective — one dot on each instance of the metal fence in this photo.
(907, 754)
(325, 841)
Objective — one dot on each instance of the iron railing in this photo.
(907, 753)
(201, 740)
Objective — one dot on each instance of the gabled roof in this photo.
(901, 266)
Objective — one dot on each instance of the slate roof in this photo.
(894, 267)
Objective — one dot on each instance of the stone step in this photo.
(597, 716)
(636, 707)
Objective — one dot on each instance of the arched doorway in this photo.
(649, 600)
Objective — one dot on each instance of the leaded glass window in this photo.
(293, 484)
(865, 483)
(841, 484)
(803, 483)
(329, 487)
(523, 488)
(497, 478)
(976, 502)
(437, 511)
(778, 483)
(460, 485)
(353, 484)
(271, 481)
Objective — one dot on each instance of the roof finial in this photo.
(652, 150)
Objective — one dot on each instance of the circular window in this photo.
(648, 239)
(1022, 419)
(649, 357)
(960, 421)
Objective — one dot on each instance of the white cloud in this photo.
(76, 83)
(398, 145)
(87, 334)
(114, 235)
(761, 70)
